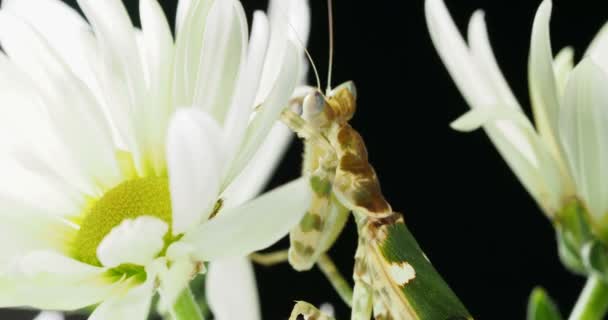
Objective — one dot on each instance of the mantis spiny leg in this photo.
(308, 312)
(329, 269)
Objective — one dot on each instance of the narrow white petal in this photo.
(25, 227)
(195, 161)
(135, 241)
(183, 8)
(276, 102)
(85, 132)
(193, 16)
(252, 226)
(260, 169)
(133, 305)
(49, 315)
(248, 83)
(158, 51)
(174, 280)
(562, 66)
(473, 83)
(47, 280)
(223, 52)
(543, 87)
(65, 30)
(583, 130)
(598, 49)
(231, 290)
(289, 20)
(481, 51)
(121, 74)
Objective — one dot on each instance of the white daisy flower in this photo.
(564, 156)
(129, 156)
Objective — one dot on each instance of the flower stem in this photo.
(592, 303)
(186, 308)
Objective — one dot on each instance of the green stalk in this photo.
(592, 304)
(186, 307)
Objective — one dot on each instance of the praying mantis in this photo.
(393, 279)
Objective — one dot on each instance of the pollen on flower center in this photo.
(128, 200)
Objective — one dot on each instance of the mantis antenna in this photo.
(308, 56)
(330, 13)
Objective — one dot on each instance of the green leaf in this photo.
(540, 306)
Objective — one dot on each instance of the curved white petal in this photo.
(158, 53)
(85, 133)
(583, 130)
(289, 20)
(121, 74)
(26, 228)
(248, 83)
(49, 315)
(48, 280)
(252, 226)
(223, 52)
(174, 280)
(598, 49)
(481, 52)
(132, 305)
(473, 83)
(265, 118)
(562, 66)
(254, 177)
(135, 241)
(195, 163)
(65, 30)
(192, 21)
(183, 8)
(231, 290)
(543, 85)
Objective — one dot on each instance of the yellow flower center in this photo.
(128, 200)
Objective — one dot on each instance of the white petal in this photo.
(26, 227)
(134, 305)
(252, 226)
(231, 290)
(122, 72)
(85, 133)
(260, 168)
(47, 280)
(289, 20)
(583, 130)
(223, 52)
(543, 87)
(481, 51)
(183, 8)
(598, 49)
(135, 241)
(562, 66)
(174, 280)
(158, 51)
(49, 315)
(248, 83)
(195, 161)
(192, 21)
(64, 29)
(473, 83)
(276, 102)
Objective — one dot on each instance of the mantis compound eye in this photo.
(313, 104)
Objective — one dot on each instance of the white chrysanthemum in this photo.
(566, 154)
(130, 157)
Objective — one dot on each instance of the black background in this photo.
(476, 223)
